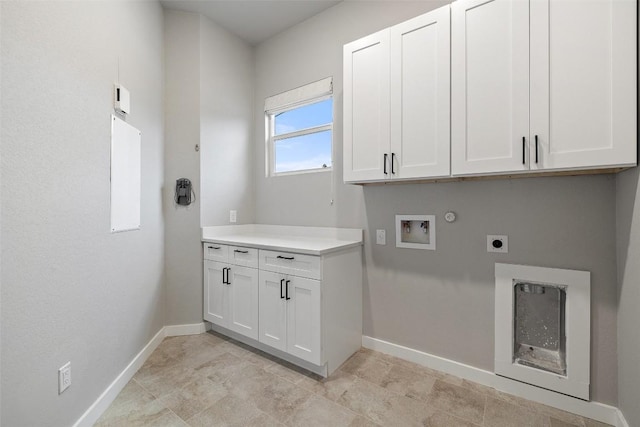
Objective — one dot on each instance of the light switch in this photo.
(381, 237)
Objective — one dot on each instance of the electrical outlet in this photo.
(64, 377)
(233, 216)
(381, 237)
(496, 243)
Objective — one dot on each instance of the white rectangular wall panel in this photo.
(125, 176)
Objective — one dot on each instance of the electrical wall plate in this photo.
(122, 99)
(497, 243)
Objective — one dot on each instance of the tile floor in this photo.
(210, 380)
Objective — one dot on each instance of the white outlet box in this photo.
(233, 216)
(381, 237)
(64, 377)
(497, 243)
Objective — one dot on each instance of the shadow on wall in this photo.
(627, 192)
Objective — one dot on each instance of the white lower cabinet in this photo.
(306, 309)
(231, 297)
(290, 315)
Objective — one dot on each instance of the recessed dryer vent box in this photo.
(416, 231)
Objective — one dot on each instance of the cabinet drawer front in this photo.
(288, 263)
(215, 252)
(247, 257)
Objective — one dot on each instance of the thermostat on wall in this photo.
(122, 99)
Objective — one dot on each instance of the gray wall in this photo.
(628, 233)
(226, 117)
(209, 101)
(628, 254)
(71, 290)
(439, 302)
(183, 254)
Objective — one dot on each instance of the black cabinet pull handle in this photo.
(281, 296)
(213, 247)
(241, 252)
(286, 288)
(536, 148)
(285, 257)
(393, 156)
(524, 147)
(224, 281)
(228, 271)
(385, 164)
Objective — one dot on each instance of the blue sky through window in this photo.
(310, 151)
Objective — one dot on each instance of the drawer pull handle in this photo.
(285, 257)
(213, 247)
(241, 252)
(286, 288)
(281, 296)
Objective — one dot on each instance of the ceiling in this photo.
(253, 20)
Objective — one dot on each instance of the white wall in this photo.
(71, 290)
(209, 101)
(439, 302)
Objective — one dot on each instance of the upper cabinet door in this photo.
(420, 96)
(489, 86)
(583, 83)
(366, 107)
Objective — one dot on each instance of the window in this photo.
(300, 132)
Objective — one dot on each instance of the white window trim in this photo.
(271, 139)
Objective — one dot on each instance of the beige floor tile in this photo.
(221, 367)
(367, 399)
(331, 387)
(558, 423)
(194, 397)
(135, 406)
(230, 410)
(593, 423)
(408, 382)
(280, 398)
(466, 404)
(320, 412)
(503, 414)
(558, 414)
(361, 421)
(368, 366)
(405, 411)
(288, 371)
(442, 419)
(166, 380)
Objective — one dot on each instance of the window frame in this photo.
(272, 138)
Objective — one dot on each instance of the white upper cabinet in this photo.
(583, 83)
(420, 96)
(543, 85)
(489, 86)
(366, 107)
(397, 101)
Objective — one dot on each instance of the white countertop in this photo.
(305, 240)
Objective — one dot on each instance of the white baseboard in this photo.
(595, 410)
(192, 329)
(107, 397)
(620, 420)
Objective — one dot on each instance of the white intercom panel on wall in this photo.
(122, 99)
